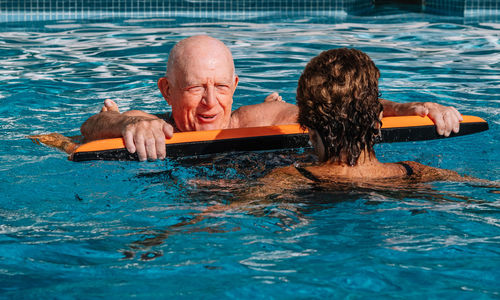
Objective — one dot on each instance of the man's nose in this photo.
(209, 99)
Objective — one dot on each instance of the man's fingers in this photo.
(452, 121)
(440, 124)
(421, 110)
(449, 121)
(272, 97)
(160, 145)
(128, 138)
(167, 133)
(150, 144)
(140, 146)
(154, 138)
(458, 119)
(438, 120)
(446, 118)
(111, 105)
(168, 130)
(457, 114)
(147, 138)
(456, 126)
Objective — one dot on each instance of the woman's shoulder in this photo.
(279, 180)
(287, 177)
(284, 173)
(423, 172)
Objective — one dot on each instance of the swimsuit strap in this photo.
(306, 173)
(409, 170)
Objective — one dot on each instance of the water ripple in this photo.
(94, 219)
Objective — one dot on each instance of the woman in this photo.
(338, 102)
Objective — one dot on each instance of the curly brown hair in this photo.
(338, 96)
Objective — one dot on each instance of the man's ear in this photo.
(236, 80)
(164, 87)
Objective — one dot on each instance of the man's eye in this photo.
(222, 87)
(196, 89)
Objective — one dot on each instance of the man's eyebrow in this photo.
(202, 83)
(191, 83)
(223, 82)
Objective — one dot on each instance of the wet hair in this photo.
(338, 96)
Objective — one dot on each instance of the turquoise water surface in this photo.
(128, 229)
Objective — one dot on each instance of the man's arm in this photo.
(264, 114)
(142, 132)
(268, 113)
(446, 118)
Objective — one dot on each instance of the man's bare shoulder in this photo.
(264, 114)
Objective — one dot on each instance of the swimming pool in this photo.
(118, 229)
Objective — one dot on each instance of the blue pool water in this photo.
(129, 229)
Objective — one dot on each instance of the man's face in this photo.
(201, 92)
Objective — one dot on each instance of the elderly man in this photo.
(199, 86)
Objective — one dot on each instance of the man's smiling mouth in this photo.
(207, 117)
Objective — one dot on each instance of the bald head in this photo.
(199, 84)
(196, 48)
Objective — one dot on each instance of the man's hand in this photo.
(109, 105)
(142, 132)
(147, 137)
(446, 118)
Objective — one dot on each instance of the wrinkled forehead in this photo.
(202, 69)
(210, 57)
